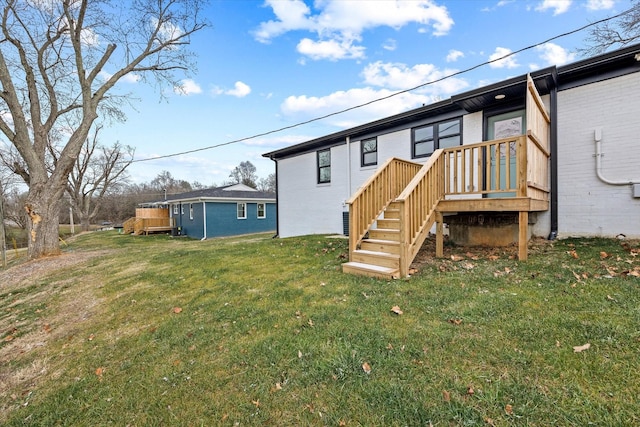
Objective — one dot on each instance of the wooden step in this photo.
(392, 213)
(389, 223)
(384, 234)
(370, 270)
(381, 259)
(388, 246)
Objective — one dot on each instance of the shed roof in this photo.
(231, 192)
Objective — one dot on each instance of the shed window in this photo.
(242, 211)
(262, 212)
(175, 209)
(369, 149)
(427, 139)
(190, 210)
(324, 166)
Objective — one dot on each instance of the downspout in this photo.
(553, 141)
(597, 136)
(348, 195)
(204, 220)
(277, 202)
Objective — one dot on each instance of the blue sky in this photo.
(265, 65)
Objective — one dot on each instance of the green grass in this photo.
(270, 332)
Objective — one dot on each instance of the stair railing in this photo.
(366, 205)
(418, 202)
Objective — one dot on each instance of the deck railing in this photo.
(366, 205)
(418, 202)
(145, 225)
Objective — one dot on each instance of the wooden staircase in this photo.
(379, 252)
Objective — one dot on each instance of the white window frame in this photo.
(244, 210)
(264, 210)
(181, 208)
(190, 210)
(175, 209)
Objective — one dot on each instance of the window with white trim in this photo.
(181, 209)
(262, 210)
(242, 210)
(190, 210)
(175, 209)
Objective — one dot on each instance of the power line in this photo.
(335, 113)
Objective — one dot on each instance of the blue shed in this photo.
(223, 211)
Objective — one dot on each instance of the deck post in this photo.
(439, 235)
(404, 250)
(523, 232)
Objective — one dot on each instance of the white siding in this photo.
(306, 207)
(586, 205)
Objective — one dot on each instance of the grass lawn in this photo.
(160, 331)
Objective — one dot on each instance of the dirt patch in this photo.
(37, 307)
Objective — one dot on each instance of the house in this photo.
(554, 153)
(216, 212)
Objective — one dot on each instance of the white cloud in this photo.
(306, 107)
(187, 87)
(330, 49)
(240, 90)
(558, 6)
(399, 76)
(454, 55)
(600, 4)
(390, 44)
(553, 54)
(509, 62)
(127, 78)
(338, 23)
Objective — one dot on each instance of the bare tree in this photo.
(244, 173)
(95, 174)
(167, 184)
(619, 32)
(59, 63)
(268, 184)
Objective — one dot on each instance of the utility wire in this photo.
(335, 113)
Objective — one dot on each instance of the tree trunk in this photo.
(85, 223)
(43, 210)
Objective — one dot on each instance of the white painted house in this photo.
(577, 172)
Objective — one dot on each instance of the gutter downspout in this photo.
(597, 136)
(204, 220)
(553, 140)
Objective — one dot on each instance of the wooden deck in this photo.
(149, 220)
(395, 209)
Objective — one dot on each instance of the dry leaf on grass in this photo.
(446, 396)
(177, 310)
(456, 258)
(366, 368)
(581, 348)
(573, 253)
(396, 309)
(508, 409)
(455, 321)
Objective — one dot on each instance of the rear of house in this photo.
(581, 169)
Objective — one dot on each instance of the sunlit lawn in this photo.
(260, 331)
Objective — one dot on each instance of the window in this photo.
(175, 209)
(427, 139)
(262, 211)
(324, 166)
(242, 211)
(369, 149)
(182, 209)
(190, 210)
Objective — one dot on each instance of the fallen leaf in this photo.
(493, 257)
(573, 253)
(395, 309)
(490, 422)
(256, 402)
(456, 258)
(467, 265)
(580, 348)
(99, 372)
(446, 396)
(610, 298)
(177, 310)
(389, 346)
(91, 337)
(557, 343)
(366, 368)
(8, 338)
(455, 321)
(603, 255)
(470, 391)
(299, 354)
(46, 327)
(508, 409)
(310, 322)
